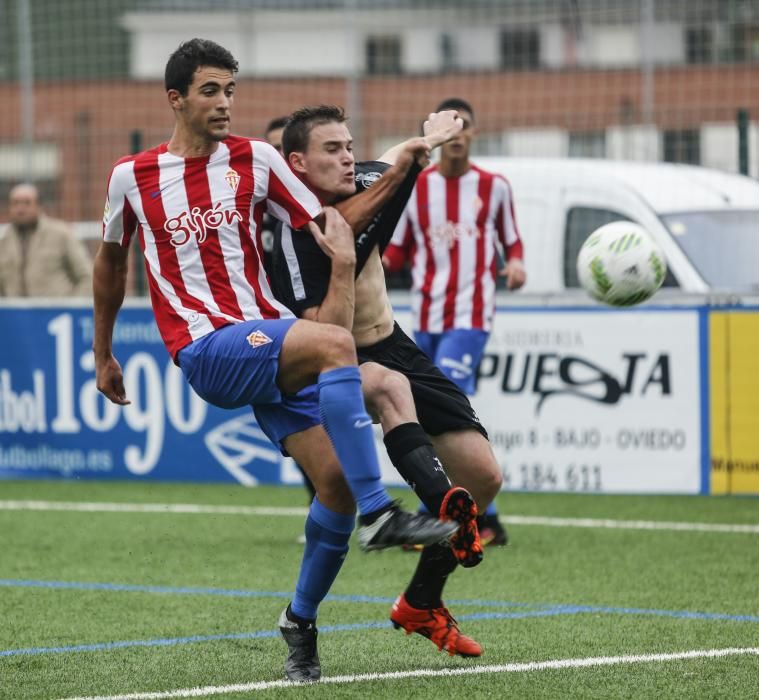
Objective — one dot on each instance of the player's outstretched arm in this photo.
(437, 129)
(360, 210)
(108, 286)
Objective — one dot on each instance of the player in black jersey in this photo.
(317, 144)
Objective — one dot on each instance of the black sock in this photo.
(412, 454)
(426, 588)
(302, 622)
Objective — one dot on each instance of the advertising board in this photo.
(594, 400)
(54, 422)
(585, 400)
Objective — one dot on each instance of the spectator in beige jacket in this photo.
(40, 256)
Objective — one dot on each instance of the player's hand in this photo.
(514, 273)
(417, 149)
(110, 381)
(337, 240)
(442, 126)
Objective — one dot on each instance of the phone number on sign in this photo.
(537, 476)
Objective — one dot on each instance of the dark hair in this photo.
(455, 103)
(190, 56)
(301, 122)
(276, 123)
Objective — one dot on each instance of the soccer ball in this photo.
(620, 264)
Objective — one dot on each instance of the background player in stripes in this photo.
(456, 217)
(318, 147)
(196, 203)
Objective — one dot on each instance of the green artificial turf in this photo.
(220, 582)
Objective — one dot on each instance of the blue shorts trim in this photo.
(237, 365)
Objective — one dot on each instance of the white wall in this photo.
(623, 46)
(719, 147)
(553, 46)
(316, 42)
(540, 143)
(633, 143)
(477, 47)
(420, 51)
(302, 53)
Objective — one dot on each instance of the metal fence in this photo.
(656, 80)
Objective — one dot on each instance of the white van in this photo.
(706, 221)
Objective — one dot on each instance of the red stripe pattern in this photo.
(198, 220)
(453, 226)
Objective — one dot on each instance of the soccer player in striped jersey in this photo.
(196, 203)
(318, 146)
(455, 218)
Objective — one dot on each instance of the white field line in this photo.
(629, 524)
(198, 509)
(437, 672)
(182, 508)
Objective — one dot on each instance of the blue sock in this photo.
(349, 428)
(327, 535)
(491, 509)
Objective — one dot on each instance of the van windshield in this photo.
(722, 245)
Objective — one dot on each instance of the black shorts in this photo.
(440, 404)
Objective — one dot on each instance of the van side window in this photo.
(581, 222)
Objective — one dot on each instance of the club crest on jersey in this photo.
(257, 338)
(367, 179)
(233, 179)
(199, 223)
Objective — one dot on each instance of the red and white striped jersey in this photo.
(450, 228)
(199, 224)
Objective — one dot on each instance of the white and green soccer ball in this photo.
(620, 264)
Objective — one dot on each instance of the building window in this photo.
(745, 43)
(383, 55)
(448, 60)
(682, 146)
(699, 45)
(587, 144)
(520, 49)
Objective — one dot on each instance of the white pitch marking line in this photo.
(425, 672)
(629, 524)
(182, 508)
(200, 509)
